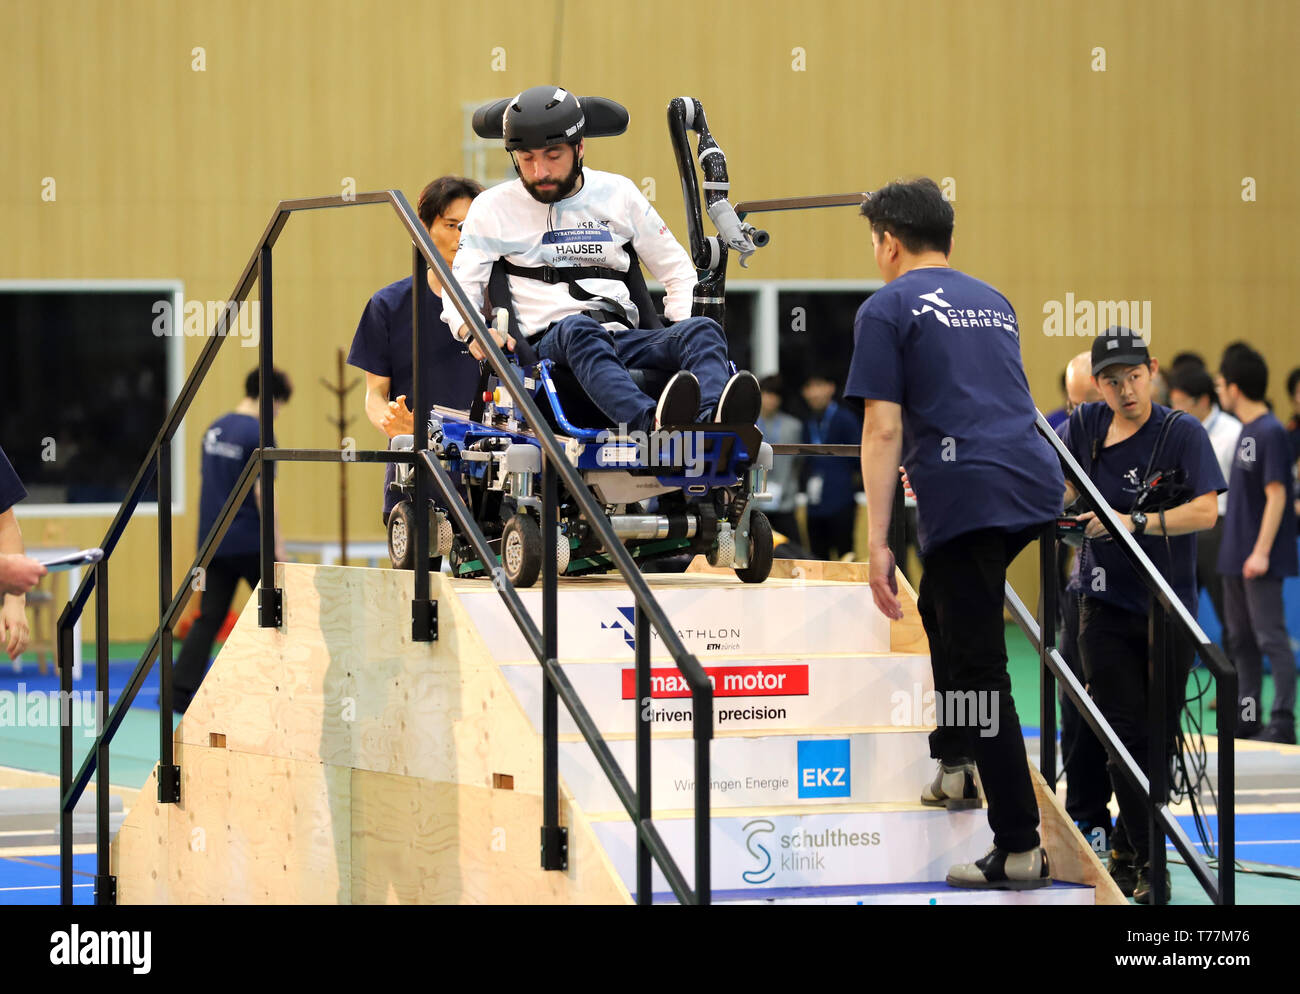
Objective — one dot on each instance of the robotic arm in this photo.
(709, 254)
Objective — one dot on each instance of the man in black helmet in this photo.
(564, 233)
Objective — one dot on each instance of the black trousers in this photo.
(830, 536)
(1083, 757)
(1113, 646)
(960, 601)
(220, 581)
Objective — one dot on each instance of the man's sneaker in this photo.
(1002, 870)
(1142, 890)
(953, 787)
(1122, 868)
(680, 402)
(741, 401)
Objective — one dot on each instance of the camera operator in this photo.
(1157, 469)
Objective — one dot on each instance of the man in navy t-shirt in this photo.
(18, 573)
(382, 344)
(227, 444)
(1259, 547)
(936, 358)
(1120, 443)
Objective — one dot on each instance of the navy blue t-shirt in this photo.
(834, 426)
(1263, 457)
(382, 345)
(945, 346)
(227, 444)
(1101, 569)
(11, 488)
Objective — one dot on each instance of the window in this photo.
(87, 379)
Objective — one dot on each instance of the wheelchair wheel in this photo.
(521, 550)
(401, 535)
(760, 549)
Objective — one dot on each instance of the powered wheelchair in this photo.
(686, 489)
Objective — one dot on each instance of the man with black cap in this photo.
(1124, 442)
(564, 233)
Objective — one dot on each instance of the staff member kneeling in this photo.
(1121, 442)
(936, 358)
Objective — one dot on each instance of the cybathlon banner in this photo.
(750, 620)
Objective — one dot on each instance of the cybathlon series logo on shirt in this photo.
(824, 768)
(965, 317)
(935, 303)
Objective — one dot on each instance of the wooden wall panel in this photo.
(1123, 184)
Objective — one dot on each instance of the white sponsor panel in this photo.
(756, 771)
(749, 694)
(807, 619)
(1055, 894)
(814, 849)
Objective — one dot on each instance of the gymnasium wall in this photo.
(1106, 150)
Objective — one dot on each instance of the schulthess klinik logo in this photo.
(824, 768)
(936, 304)
(755, 829)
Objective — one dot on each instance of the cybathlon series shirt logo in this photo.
(936, 304)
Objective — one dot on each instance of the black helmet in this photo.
(542, 116)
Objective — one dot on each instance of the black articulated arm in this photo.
(709, 254)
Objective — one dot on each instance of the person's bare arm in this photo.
(1256, 564)
(15, 633)
(1195, 516)
(377, 388)
(882, 446)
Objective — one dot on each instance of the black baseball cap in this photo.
(1117, 346)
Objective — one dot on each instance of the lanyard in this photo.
(818, 428)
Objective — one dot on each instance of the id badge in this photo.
(814, 490)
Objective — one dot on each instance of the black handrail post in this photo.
(1226, 815)
(270, 599)
(1159, 651)
(169, 785)
(644, 706)
(105, 885)
(64, 659)
(555, 847)
(423, 624)
(1049, 579)
(703, 731)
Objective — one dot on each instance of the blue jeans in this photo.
(600, 360)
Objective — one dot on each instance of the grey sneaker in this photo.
(953, 787)
(1002, 870)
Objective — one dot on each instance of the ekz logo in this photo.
(756, 829)
(824, 768)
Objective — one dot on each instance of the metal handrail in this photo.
(543, 644)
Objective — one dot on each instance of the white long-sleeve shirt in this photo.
(1224, 431)
(589, 228)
